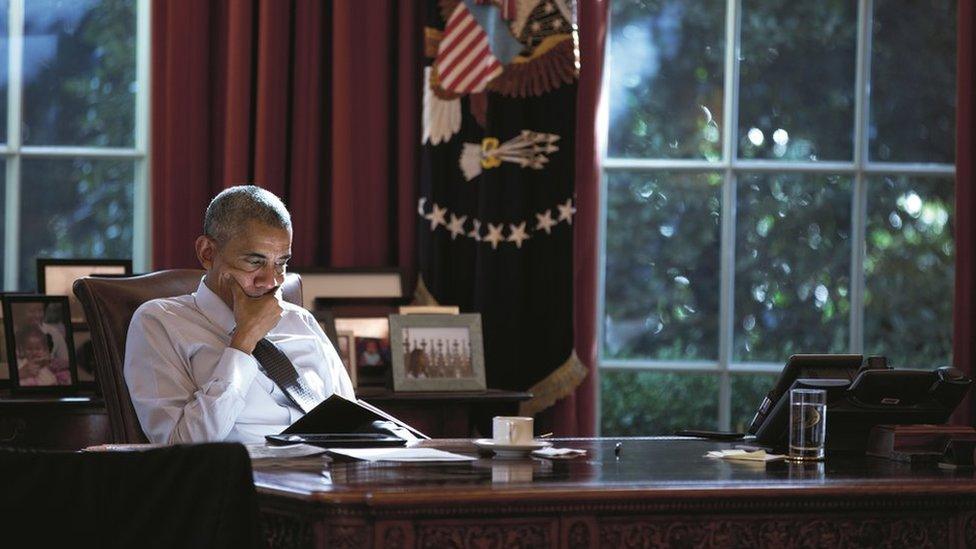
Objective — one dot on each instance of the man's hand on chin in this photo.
(255, 316)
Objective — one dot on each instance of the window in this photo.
(73, 132)
(778, 179)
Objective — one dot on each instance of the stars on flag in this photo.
(494, 234)
(456, 226)
(517, 232)
(545, 222)
(436, 216)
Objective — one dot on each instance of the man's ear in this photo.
(206, 251)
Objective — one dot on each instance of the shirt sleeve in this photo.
(332, 369)
(171, 407)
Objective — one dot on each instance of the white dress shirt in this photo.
(188, 385)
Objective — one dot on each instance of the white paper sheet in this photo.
(744, 455)
(412, 455)
(263, 451)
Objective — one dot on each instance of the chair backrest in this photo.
(109, 304)
(194, 495)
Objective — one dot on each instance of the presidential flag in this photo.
(496, 203)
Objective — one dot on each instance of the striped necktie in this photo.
(277, 366)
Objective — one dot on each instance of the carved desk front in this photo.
(659, 492)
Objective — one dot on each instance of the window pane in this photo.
(748, 391)
(796, 79)
(665, 67)
(74, 208)
(913, 81)
(662, 265)
(656, 403)
(3, 224)
(908, 270)
(792, 265)
(79, 72)
(4, 56)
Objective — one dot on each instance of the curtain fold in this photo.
(302, 97)
(577, 413)
(964, 310)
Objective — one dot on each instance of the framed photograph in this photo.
(349, 285)
(346, 347)
(55, 277)
(40, 343)
(437, 353)
(327, 323)
(371, 347)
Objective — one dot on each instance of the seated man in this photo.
(208, 366)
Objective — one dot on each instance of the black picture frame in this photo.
(77, 267)
(353, 316)
(4, 365)
(14, 323)
(350, 285)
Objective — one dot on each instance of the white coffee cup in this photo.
(512, 430)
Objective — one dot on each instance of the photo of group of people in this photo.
(437, 353)
(39, 345)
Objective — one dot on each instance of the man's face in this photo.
(256, 257)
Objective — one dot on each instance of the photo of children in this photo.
(36, 363)
(371, 348)
(38, 338)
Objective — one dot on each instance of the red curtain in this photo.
(315, 101)
(576, 414)
(964, 311)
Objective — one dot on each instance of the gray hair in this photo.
(233, 207)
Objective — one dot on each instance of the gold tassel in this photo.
(558, 385)
(421, 295)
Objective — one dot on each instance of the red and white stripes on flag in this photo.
(464, 61)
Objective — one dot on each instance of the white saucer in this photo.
(510, 450)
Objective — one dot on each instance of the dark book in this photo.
(338, 421)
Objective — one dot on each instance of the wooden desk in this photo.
(659, 493)
(53, 423)
(447, 415)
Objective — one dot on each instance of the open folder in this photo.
(338, 421)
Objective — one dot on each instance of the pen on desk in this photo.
(547, 435)
(616, 449)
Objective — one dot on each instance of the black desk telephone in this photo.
(860, 394)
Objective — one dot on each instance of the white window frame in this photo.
(859, 169)
(13, 151)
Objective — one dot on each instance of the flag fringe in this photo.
(421, 295)
(558, 385)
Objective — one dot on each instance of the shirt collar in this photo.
(214, 308)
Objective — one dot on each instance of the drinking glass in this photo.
(808, 424)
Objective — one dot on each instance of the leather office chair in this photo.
(109, 304)
(199, 495)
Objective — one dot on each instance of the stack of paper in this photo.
(264, 451)
(400, 454)
(744, 455)
(558, 453)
